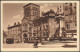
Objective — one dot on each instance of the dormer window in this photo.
(70, 4)
(24, 24)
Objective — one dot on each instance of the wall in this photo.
(52, 26)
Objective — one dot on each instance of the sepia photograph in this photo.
(39, 25)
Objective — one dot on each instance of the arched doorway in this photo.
(25, 37)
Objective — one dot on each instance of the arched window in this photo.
(68, 26)
(47, 34)
(25, 35)
(24, 24)
(43, 33)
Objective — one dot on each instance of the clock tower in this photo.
(32, 11)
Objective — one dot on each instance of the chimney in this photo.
(14, 24)
(18, 23)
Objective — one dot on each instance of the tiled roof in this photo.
(71, 31)
(14, 26)
(47, 13)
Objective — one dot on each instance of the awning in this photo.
(71, 31)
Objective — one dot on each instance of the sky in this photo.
(13, 12)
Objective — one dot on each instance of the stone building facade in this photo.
(34, 26)
(46, 26)
(14, 32)
(31, 13)
(43, 27)
(70, 17)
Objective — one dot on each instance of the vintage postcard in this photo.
(45, 25)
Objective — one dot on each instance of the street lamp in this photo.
(60, 18)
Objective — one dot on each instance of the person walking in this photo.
(36, 44)
(72, 35)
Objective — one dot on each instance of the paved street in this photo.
(50, 44)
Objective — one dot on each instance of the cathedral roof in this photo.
(24, 18)
(31, 4)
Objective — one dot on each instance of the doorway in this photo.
(25, 38)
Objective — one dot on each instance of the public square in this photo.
(54, 28)
(46, 44)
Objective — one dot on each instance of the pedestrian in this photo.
(64, 32)
(36, 44)
(72, 35)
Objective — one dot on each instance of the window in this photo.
(68, 26)
(34, 31)
(43, 22)
(37, 31)
(47, 34)
(25, 35)
(34, 34)
(70, 4)
(71, 11)
(25, 24)
(75, 17)
(66, 3)
(46, 21)
(43, 27)
(43, 33)
(30, 35)
(75, 24)
(40, 28)
(46, 26)
(66, 7)
(33, 13)
(34, 18)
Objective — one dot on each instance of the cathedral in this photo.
(36, 27)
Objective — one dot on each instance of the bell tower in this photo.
(32, 11)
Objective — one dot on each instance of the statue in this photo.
(59, 10)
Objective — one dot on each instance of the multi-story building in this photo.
(70, 17)
(14, 32)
